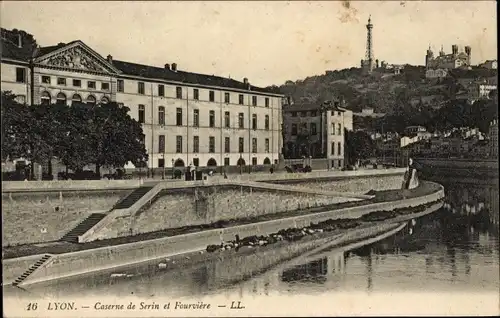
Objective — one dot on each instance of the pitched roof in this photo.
(300, 107)
(49, 49)
(11, 50)
(153, 72)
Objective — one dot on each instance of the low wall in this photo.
(211, 204)
(69, 185)
(263, 177)
(112, 256)
(47, 216)
(359, 185)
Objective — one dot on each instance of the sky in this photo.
(266, 42)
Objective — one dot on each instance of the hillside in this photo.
(383, 91)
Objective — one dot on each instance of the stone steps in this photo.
(31, 269)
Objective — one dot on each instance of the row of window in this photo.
(196, 118)
(46, 99)
(141, 89)
(312, 113)
(339, 148)
(211, 144)
(227, 162)
(61, 81)
(313, 130)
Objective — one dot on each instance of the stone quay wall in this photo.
(37, 217)
(77, 263)
(204, 205)
(34, 215)
(210, 204)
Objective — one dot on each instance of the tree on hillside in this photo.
(483, 112)
(358, 146)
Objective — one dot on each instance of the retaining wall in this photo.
(108, 257)
(211, 204)
(47, 216)
(180, 210)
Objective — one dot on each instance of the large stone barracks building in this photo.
(187, 118)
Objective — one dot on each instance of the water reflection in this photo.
(453, 249)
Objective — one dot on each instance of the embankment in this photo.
(82, 262)
(206, 204)
(39, 212)
(200, 272)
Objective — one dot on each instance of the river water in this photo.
(454, 249)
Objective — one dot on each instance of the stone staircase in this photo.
(84, 226)
(94, 218)
(30, 270)
(132, 198)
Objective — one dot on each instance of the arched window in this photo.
(91, 100)
(161, 115)
(267, 161)
(61, 99)
(104, 100)
(45, 98)
(76, 99)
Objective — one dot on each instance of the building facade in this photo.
(316, 131)
(489, 64)
(448, 61)
(493, 138)
(187, 118)
(436, 73)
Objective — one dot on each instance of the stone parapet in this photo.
(68, 185)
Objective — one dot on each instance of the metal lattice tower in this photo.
(369, 44)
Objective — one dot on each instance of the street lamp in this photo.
(173, 175)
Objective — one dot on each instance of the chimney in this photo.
(19, 40)
(247, 84)
(174, 67)
(110, 59)
(167, 66)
